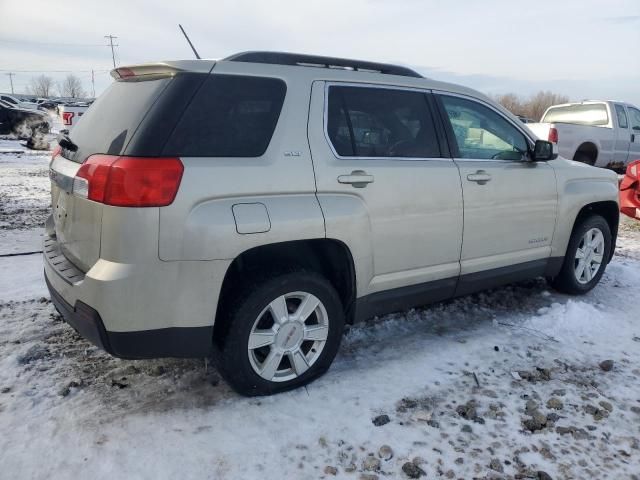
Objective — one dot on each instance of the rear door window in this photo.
(380, 122)
(230, 116)
(622, 117)
(634, 116)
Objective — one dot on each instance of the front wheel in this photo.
(280, 333)
(586, 258)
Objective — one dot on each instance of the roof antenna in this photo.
(190, 44)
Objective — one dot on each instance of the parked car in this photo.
(47, 105)
(630, 191)
(25, 123)
(285, 199)
(17, 102)
(600, 133)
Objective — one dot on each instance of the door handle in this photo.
(480, 177)
(357, 178)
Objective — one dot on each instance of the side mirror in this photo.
(543, 151)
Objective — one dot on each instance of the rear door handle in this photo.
(357, 178)
(480, 177)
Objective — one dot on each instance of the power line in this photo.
(55, 71)
(53, 44)
(113, 55)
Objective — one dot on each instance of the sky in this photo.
(580, 48)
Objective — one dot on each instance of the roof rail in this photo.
(283, 58)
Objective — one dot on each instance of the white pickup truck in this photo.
(70, 114)
(600, 133)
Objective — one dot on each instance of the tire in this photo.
(570, 280)
(252, 315)
(584, 158)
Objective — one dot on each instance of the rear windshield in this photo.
(111, 121)
(230, 116)
(187, 115)
(582, 114)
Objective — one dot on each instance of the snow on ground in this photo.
(24, 187)
(502, 384)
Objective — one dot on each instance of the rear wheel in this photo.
(585, 158)
(280, 333)
(586, 258)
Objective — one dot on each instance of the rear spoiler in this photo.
(162, 69)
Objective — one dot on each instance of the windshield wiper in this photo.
(65, 142)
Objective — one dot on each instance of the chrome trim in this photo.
(62, 172)
(329, 84)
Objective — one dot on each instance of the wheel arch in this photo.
(328, 257)
(589, 148)
(607, 209)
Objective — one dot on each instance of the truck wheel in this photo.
(280, 333)
(584, 158)
(586, 258)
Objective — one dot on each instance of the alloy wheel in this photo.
(589, 255)
(288, 336)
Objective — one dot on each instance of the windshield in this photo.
(581, 114)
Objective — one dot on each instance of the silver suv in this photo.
(248, 208)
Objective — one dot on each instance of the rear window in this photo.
(230, 116)
(583, 114)
(110, 122)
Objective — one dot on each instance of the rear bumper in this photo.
(163, 342)
(84, 319)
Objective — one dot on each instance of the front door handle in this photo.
(480, 177)
(357, 178)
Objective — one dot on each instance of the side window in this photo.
(622, 117)
(230, 116)
(482, 133)
(380, 122)
(634, 117)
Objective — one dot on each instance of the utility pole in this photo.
(113, 55)
(11, 75)
(93, 84)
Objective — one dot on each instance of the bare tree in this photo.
(71, 87)
(41, 86)
(537, 104)
(532, 107)
(511, 102)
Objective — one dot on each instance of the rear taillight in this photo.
(553, 135)
(129, 181)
